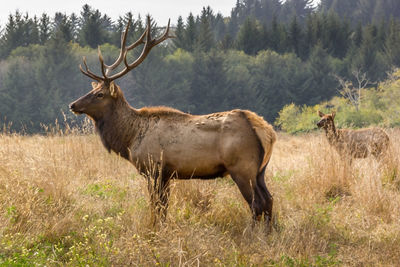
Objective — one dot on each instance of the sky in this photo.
(161, 10)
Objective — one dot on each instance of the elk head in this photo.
(326, 121)
(105, 92)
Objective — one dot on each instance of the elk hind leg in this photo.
(380, 150)
(252, 192)
(265, 196)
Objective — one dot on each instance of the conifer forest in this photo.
(265, 55)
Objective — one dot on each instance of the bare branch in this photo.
(351, 92)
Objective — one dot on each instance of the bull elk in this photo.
(181, 145)
(354, 143)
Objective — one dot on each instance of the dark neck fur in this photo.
(119, 127)
(331, 134)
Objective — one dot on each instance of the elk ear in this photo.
(320, 114)
(333, 114)
(113, 89)
(94, 85)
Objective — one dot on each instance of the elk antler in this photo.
(145, 39)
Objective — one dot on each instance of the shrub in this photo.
(295, 119)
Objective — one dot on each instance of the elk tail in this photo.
(265, 134)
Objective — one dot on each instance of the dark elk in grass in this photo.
(168, 143)
(354, 143)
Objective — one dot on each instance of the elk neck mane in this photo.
(162, 111)
(332, 134)
(124, 126)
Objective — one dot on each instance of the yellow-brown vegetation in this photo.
(65, 201)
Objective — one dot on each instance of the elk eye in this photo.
(100, 95)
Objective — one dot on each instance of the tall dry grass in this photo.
(65, 201)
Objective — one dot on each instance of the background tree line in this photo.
(266, 54)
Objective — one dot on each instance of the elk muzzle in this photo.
(82, 104)
(321, 123)
(77, 107)
(72, 107)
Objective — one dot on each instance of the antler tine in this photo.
(164, 36)
(145, 39)
(123, 50)
(149, 43)
(148, 36)
(140, 40)
(103, 66)
(146, 49)
(88, 72)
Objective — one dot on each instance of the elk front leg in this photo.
(159, 194)
(162, 190)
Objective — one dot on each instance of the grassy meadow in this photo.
(65, 201)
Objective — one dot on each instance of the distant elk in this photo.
(177, 144)
(354, 143)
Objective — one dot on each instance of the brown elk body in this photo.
(354, 143)
(181, 145)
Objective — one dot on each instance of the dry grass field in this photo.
(65, 201)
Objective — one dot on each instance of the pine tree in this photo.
(16, 94)
(91, 32)
(85, 14)
(219, 27)
(120, 26)
(208, 85)
(298, 8)
(322, 84)
(295, 37)
(325, 5)
(365, 10)
(205, 38)
(233, 25)
(381, 34)
(32, 30)
(62, 26)
(44, 28)
(190, 33)
(366, 57)
(54, 71)
(392, 43)
(277, 36)
(249, 37)
(344, 8)
(276, 79)
(74, 24)
(13, 35)
(336, 34)
(379, 11)
(357, 35)
(392, 9)
(35, 30)
(226, 43)
(179, 40)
